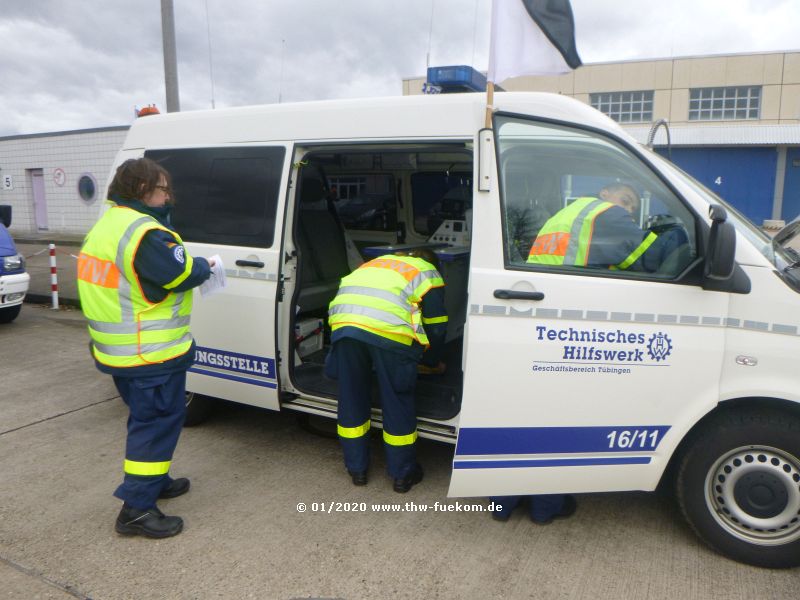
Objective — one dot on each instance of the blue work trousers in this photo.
(352, 363)
(157, 410)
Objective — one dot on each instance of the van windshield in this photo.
(760, 240)
(783, 252)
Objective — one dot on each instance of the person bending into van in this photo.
(383, 318)
(135, 281)
(597, 232)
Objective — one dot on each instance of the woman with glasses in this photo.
(135, 280)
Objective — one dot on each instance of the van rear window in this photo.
(224, 196)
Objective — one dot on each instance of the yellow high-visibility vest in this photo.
(565, 239)
(128, 330)
(383, 296)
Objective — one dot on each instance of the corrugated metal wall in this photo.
(791, 186)
(745, 177)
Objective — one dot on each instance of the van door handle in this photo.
(250, 263)
(515, 295)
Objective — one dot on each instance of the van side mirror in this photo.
(721, 249)
(5, 215)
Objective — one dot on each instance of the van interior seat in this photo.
(322, 248)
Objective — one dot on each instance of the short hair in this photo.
(426, 255)
(138, 177)
(618, 187)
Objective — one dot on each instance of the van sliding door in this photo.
(230, 202)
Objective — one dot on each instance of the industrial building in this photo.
(55, 182)
(733, 123)
(733, 120)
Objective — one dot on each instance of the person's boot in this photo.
(358, 477)
(401, 486)
(568, 509)
(176, 487)
(150, 523)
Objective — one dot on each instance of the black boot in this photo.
(358, 477)
(149, 523)
(177, 487)
(401, 486)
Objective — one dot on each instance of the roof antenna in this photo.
(430, 36)
(210, 64)
(280, 79)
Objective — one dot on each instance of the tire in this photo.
(9, 314)
(198, 409)
(738, 486)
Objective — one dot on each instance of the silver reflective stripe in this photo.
(135, 350)
(367, 311)
(156, 325)
(374, 293)
(575, 232)
(176, 307)
(124, 290)
(419, 280)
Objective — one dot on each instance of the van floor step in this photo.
(438, 397)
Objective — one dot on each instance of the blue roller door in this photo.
(791, 186)
(745, 177)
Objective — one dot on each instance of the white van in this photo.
(559, 379)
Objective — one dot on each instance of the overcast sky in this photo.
(74, 64)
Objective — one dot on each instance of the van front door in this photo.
(580, 377)
(230, 202)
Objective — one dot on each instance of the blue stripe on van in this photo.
(262, 383)
(558, 440)
(551, 462)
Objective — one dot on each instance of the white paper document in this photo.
(217, 280)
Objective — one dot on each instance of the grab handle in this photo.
(250, 263)
(515, 295)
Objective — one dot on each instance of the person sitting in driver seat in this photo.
(598, 232)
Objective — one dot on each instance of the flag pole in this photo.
(489, 103)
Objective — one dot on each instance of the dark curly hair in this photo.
(137, 178)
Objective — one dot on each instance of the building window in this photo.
(625, 107)
(724, 104)
(87, 188)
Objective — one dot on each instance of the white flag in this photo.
(531, 37)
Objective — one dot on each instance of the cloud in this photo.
(70, 64)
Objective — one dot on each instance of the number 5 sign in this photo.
(8, 182)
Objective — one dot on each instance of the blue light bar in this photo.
(456, 78)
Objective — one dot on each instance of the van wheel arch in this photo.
(198, 409)
(666, 484)
(737, 481)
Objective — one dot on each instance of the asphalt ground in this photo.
(62, 435)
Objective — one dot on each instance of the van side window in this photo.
(575, 200)
(439, 195)
(224, 196)
(366, 201)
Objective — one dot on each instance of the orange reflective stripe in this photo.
(97, 271)
(406, 270)
(554, 244)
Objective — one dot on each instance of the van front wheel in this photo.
(738, 486)
(9, 314)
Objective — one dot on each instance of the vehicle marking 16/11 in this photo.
(635, 439)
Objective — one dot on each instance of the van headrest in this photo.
(311, 190)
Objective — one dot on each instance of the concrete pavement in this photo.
(62, 431)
